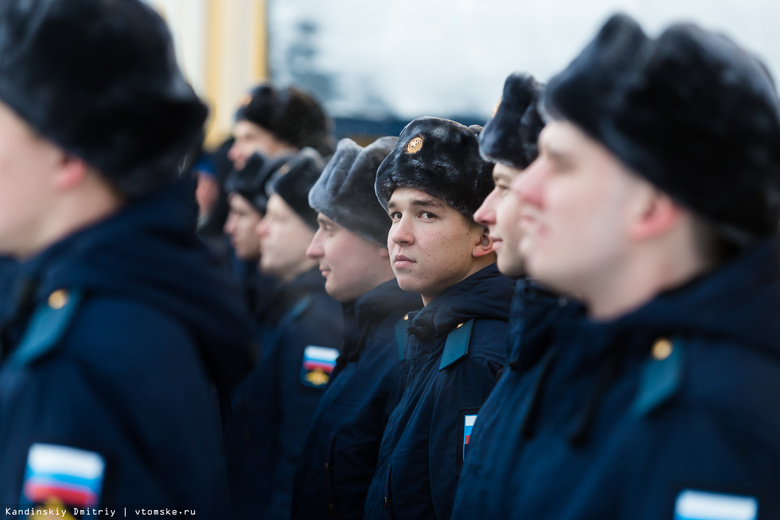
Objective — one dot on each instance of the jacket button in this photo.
(662, 349)
(331, 508)
(58, 299)
(386, 503)
(327, 466)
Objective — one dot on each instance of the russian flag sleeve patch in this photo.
(701, 505)
(318, 365)
(468, 425)
(68, 475)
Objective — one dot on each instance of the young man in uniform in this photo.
(301, 335)
(339, 457)
(431, 184)
(123, 325)
(509, 141)
(655, 200)
(248, 197)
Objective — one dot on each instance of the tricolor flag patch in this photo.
(468, 425)
(701, 505)
(318, 365)
(72, 476)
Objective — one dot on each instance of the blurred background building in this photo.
(376, 65)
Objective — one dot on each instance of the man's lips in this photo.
(400, 261)
(496, 240)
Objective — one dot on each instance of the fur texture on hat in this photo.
(345, 190)
(251, 182)
(690, 111)
(99, 78)
(511, 134)
(441, 158)
(293, 180)
(290, 115)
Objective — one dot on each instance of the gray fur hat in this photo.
(345, 190)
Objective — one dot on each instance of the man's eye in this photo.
(395, 215)
(427, 215)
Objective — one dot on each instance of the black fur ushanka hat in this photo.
(290, 115)
(99, 78)
(251, 182)
(441, 158)
(293, 180)
(511, 134)
(345, 190)
(690, 111)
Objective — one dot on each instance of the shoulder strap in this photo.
(457, 344)
(47, 326)
(661, 376)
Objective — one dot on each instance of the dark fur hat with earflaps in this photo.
(690, 111)
(441, 158)
(290, 115)
(293, 180)
(251, 182)
(511, 134)
(99, 78)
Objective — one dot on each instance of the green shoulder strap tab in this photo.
(457, 344)
(401, 336)
(661, 376)
(47, 326)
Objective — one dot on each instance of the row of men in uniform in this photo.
(564, 315)
(436, 165)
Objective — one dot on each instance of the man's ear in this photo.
(656, 214)
(71, 171)
(484, 246)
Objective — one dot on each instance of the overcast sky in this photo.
(444, 57)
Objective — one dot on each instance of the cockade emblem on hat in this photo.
(415, 145)
(246, 99)
(284, 169)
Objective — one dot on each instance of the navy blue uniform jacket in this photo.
(668, 410)
(423, 445)
(339, 457)
(139, 326)
(275, 405)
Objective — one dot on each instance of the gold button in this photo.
(58, 299)
(459, 325)
(406, 318)
(662, 349)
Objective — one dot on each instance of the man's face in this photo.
(500, 213)
(240, 226)
(576, 204)
(430, 243)
(28, 167)
(350, 264)
(284, 237)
